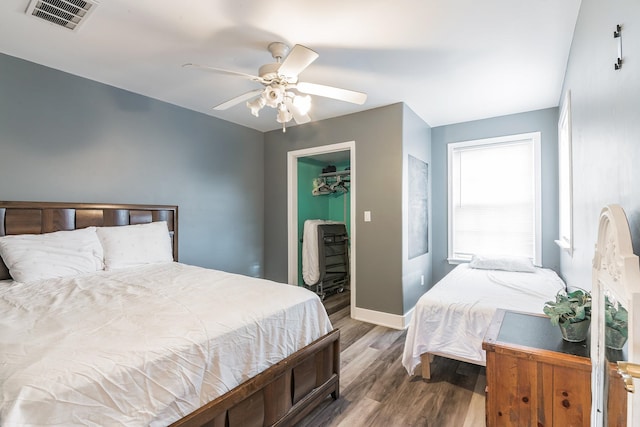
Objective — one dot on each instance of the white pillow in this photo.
(31, 257)
(134, 245)
(506, 263)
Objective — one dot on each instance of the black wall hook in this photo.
(617, 34)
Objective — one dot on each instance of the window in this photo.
(565, 240)
(494, 197)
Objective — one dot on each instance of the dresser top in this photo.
(536, 331)
(532, 336)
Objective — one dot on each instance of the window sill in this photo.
(564, 246)
(455, 261)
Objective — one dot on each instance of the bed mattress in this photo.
(142, 346)
(453, 316)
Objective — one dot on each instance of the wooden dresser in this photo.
(534, 377)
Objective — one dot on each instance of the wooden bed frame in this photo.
(280, 396)
(427, 358)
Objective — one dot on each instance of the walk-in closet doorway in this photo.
(341, 153)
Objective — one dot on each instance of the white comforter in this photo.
(142, 346)
(453, 316)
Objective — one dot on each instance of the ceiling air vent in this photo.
(65, 13)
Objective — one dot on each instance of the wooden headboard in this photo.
(46, 217)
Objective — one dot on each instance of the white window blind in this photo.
(494, 197)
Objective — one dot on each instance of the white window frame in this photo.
(565, 178)
(535, 138)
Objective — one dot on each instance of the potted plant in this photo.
(616, 324)
(571, 311)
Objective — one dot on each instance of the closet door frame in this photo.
(292, 208)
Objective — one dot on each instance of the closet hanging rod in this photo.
(337, 173)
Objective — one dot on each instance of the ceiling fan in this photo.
(282, 90)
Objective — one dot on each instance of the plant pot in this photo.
(614, 339)
(575, 332)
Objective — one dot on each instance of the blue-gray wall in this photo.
(605, 109)
(68, 139)
(387, 281)
(378, 168)
(417, 271)
(544, 121)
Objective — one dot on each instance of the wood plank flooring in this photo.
(375, 389)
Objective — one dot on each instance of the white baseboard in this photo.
(394, 321)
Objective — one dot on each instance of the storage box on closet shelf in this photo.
(331, 181)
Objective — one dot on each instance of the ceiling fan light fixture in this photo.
(282, 90)
(302, 103)
(273, 95)
(284, 115)
(256, 105)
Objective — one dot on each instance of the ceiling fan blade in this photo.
(238, 99)
(223, 71)
(332, 92)
(298, 59)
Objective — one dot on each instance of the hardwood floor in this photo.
(375, 389)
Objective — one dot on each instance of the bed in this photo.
(450, 320)
(133, 337)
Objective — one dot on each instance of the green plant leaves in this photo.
(616, 317)
(570, 307)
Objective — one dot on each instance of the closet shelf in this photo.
(332, 182)
(337, 173)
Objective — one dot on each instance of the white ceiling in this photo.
(450, 61)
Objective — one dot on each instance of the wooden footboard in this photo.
(280, 396)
